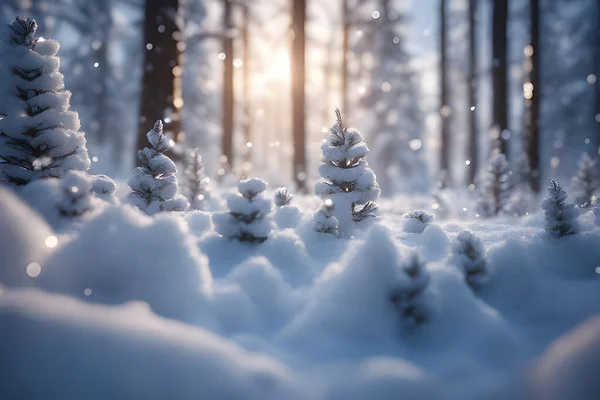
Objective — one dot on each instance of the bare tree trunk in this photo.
(444, 107)
(161, 81)
(298, 95)
(228, 94)
(532, 113)
(500, 72)
(328, 72)
(345, 51)
(247, 120)
(473, 147)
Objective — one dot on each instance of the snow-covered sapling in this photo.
(495, 187)
(468, 254)
(154, 183)
(411, 299)
(282, 197)
(196, 181)
(39, 136)
(586, 182)
(561, 217)
(103, 187)
(597, 211)
(417, 220)
(324, 220)
(346, 178)
(75, 194)
(247, 219)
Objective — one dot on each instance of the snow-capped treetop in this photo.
(39, 136)
(154, 184)
(468, 254)
(103, 187)
(283, 197)
(417, 220)
(561, 217)
(346, 176)
(249, 188)
(586, 182)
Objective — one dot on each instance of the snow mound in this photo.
(416, 221)
(123, 353)
(23, 243)
(287, 217)
(122, 255)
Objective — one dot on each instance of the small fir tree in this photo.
(586, 182)
(468, 254)
(561, 217)
(521, 198)
(346, 178)
(196, 181)
(76, 196)
(154, 183)
(411, 299)
(324, 220)
(283, 197)
(39, 136)
(495, 188)
(247, 219)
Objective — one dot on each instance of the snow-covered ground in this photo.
(118, 305)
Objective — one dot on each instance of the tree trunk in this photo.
(247, 118)
(444, 107)
(298, 95)
(161, 84)
(345, 51)
(532, 112)
(473, 153)
(500, 73)
(228, 94)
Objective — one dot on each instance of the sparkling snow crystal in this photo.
(346, 177)
(247, 219)
(154, 184)
(39, 136)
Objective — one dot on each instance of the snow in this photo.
(166, 299)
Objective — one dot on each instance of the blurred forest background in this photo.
(433, 85)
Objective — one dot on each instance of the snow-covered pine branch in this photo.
(324, 220)
(39, 136)
(103, 187)
(76, 196)
(561, 217)
(410, 299)
(154, 183)
(586, 182)
(468, 254)
(495, 187)
(247, 219)
(346, 178)
(282, 197)
(196, 181)
(417, 220)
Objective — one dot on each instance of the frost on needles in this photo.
(154, 183)
(346, 178)
(561, 217)
(39, 136)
